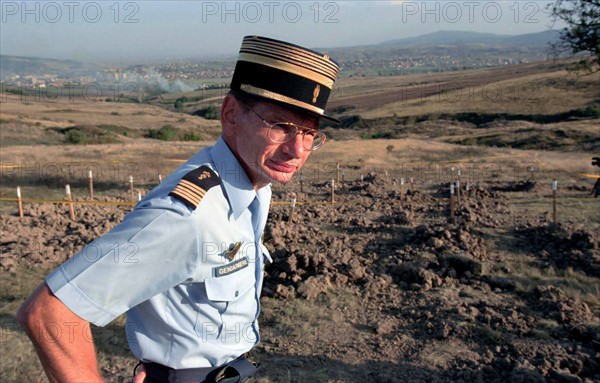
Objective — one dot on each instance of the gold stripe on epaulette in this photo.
(189, 194)
(193, 188)
(186, 196)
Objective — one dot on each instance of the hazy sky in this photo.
(129, 30)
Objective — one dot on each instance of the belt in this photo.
(235, 371)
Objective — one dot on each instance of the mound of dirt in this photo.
(46, 236)
(563, 246)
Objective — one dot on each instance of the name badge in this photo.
(229, 268)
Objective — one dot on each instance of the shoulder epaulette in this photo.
(194, 185)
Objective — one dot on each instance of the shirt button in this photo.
(237, 293)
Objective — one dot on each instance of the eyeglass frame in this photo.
(299, 130)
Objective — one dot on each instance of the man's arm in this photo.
(62, 340)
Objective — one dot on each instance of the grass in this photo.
(303, 319)
(431, 133)
(19, 361)
(534, 111)
(93, 113)
(443, 355)
(537, 89)
(13, 132)
(567, 206)
(575, 285)
(544, 328)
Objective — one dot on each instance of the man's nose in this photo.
(295, 147)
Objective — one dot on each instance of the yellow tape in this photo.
(589, 175)
(547, 199)
(306, 203)
(23, 165)
(133, 203)
(69, 202)
(126, 203)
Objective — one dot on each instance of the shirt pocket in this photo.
(231, 287)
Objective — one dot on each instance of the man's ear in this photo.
(229, 113)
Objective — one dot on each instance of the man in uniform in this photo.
(186, 264)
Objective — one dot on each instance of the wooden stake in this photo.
(293, 208)
(452, 202)
(71, 208)
(139, 196)
(159, 178)
(332, 191)
(131, 188)
(20, 202)
(301, 183)
(91, 177)
(458, 187)
(554, 189)
(401, 188)
(338, 172)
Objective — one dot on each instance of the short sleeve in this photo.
(151, 251)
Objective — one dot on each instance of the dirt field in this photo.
(382, 286)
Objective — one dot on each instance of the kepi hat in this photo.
(286, 74)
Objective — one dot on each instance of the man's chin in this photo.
(283, 178)
(278, 176)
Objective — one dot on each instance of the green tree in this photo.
(582, 33)
(180, 101)
(166, 133)
(210, 112)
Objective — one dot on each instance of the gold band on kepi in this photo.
(286, 74)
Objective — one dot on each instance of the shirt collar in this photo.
(238, 188)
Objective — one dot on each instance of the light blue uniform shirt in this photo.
(166, 265)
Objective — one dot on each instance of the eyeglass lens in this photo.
(283, 132)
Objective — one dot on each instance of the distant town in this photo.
(198, 75)
(468, 51)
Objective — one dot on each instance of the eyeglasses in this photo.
(282, 132)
